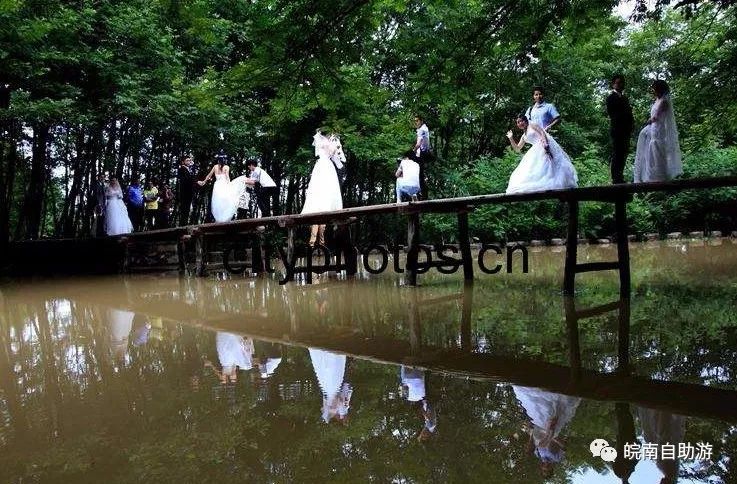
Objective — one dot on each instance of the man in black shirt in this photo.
(185, 190)
(621, 123)
(98, 189)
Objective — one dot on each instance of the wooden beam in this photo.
(596, 266)
(598, 310)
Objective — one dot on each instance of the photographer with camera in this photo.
(264, 186)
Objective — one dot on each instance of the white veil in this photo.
(321, 144)
(669, 133)
(338, 157)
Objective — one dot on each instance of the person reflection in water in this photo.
(234, 352)
(548, 414)
(141, 330)
(267, 358)
(660, 428)
(413, 390)
(336, 393)
(121, 323)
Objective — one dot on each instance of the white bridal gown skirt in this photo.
(655, 160)
(540, 171)
(323, 191)
(225, 196)
(116, 218)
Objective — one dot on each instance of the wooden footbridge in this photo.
(197, 238)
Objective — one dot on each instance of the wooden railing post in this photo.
(623, 250)
(415, 324)
(574, 348)
(258, 265)
(413, 243)
(623, 333)
(467, 303)
(569, 278)
(464, 242)
(290, 244)
(182, 253)
(201, 255)
(126, 262)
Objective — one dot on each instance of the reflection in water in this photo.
(121, 324)
(549, 413)
(413, 389)
(663, 428)
(267, 358)
(234, 352)
(141, 330)
(69, 412)
(336, 393)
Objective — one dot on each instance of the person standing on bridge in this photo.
(264, 187)
(545, 166)
(134, 195)
(323, 191)
(116, 214)
(408, 178)
(185, 190)
(621, 122)
(423, 153)
(541, 113)
(658, 156)
(225, 192)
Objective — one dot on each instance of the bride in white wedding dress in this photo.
(323, 191)
(116, 214)
(658, 155)
(226, 193)
(545, 166)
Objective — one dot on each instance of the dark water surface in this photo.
(167, 379)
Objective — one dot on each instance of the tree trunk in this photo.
(30, 223)
(8, 163)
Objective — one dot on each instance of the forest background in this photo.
(128, 87)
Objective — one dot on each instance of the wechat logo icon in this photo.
(600, 448)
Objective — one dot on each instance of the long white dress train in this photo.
(539, 171)
(323, 191)
(116, 214)
(226, 194)
(658, 155)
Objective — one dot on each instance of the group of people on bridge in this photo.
(545, 166)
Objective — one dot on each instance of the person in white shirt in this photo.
(408, 177)
(542, 113)
(265, 188)
(422, 151)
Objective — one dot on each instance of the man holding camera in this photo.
(264, 186)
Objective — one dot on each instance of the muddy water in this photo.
(167, 379)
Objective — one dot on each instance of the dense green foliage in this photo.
(128, 87)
